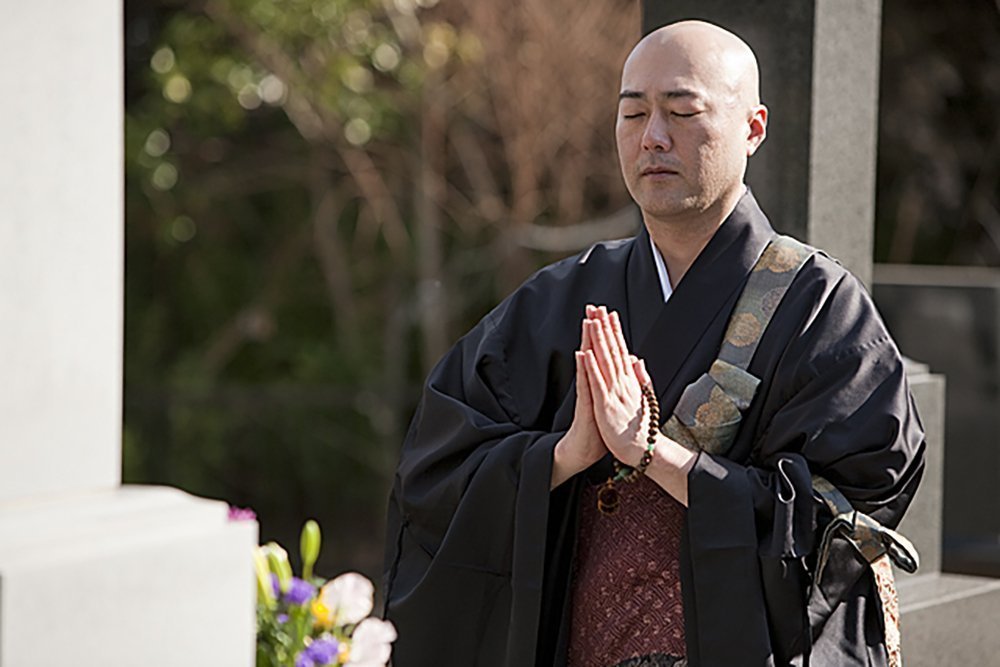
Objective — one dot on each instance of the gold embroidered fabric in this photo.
(886, 584)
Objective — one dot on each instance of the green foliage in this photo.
(245, 380)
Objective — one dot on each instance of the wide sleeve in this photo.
(839, 406)
(854, 422)
(468, 513)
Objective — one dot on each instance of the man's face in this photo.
(683, 135)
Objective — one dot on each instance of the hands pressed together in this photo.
(609, 406)
(611, 415)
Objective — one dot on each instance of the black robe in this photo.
(479, 551)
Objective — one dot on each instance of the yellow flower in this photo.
(322, 613)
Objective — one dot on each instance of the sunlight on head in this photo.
(703, 54)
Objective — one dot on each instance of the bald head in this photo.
(689, 117)
(714, 56)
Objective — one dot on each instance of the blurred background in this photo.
(322, 195)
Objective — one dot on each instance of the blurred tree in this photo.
(321, 194)
(939, 134)
(256, 279)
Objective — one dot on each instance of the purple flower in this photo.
(282, 618)
(322, 651)
(304, 660)
(241, 514)
(299, 592)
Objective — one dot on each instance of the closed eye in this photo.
(684, 115)
(630, 116)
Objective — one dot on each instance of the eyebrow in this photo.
(669, 94)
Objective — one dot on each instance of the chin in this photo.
(669, 207)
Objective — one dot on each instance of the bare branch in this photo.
(573, 238)
(314, 122)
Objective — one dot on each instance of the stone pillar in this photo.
(949, 316)
(815, 174)
(923, 521)
(61, 249)
(946, 619)
(91, 573)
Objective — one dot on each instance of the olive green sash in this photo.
(708, 413)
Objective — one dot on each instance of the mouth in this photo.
(658, 171)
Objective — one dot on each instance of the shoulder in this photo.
(827, 317)
(522, 349)
(558, 285)
(569, 272)
(534, 316)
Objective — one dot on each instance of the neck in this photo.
(681, 239)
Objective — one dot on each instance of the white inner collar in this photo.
(661, 272)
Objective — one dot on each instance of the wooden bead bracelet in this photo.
(608, 498)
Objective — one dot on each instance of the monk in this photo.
(542, 514)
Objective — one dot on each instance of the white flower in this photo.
(371, 643)
(349, 598)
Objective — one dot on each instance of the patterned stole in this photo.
(709, 412)
(878, 545)
(708, 415)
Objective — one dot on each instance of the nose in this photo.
(656, 134)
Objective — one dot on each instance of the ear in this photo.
(757, 128)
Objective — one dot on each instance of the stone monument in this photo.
(91, 573)
(815, 173)
(949, 316)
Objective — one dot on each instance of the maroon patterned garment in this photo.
(626, 596)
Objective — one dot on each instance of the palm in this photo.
(621, 421)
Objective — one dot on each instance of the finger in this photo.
(583, 398)
(617, 359)
(594, 313)
(585, 342)
(639, 367)
(598, 388)
(590, 311)
(619, 337)
(599, 346)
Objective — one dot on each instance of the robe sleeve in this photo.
(840, 407)
(468, 514)
(853, 422)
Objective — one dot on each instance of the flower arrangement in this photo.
(309, 622)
